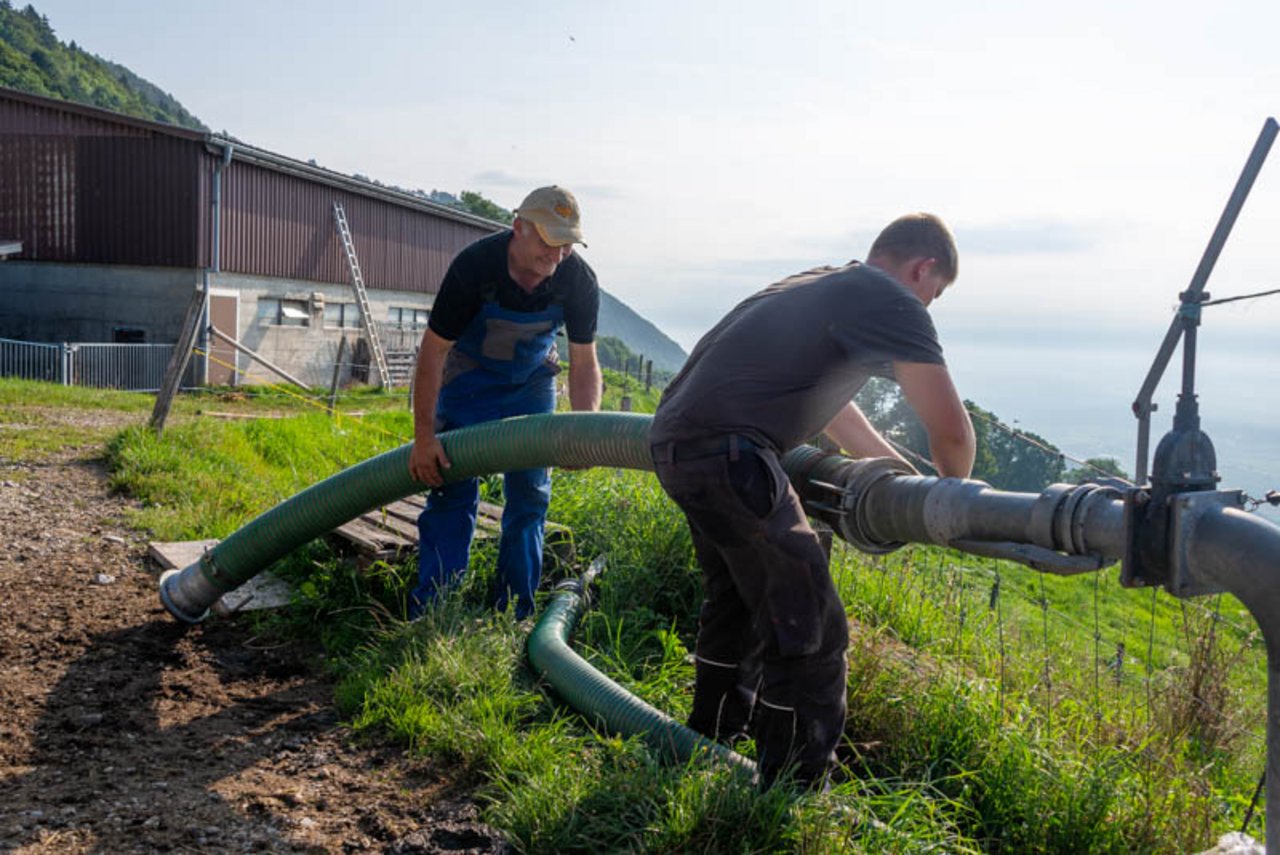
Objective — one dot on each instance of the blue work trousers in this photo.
(446, 525)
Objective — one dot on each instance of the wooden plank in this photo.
(391, 531)
(179, 554)
(371, 538)
(263, 591)
(407, 511)
(394, 524)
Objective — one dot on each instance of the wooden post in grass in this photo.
(178, 361)
(337, 375)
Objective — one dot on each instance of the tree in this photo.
(1007, 458)
(33, 60)
(474, 203)
(1095, 468)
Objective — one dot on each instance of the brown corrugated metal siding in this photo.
(137, 201)
(276, 224)
(78, 184)
(84, 185)
(38, 195)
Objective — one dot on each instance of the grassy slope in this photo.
(977, 722)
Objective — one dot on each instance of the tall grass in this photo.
(991, 709)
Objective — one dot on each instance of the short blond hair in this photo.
(919, 236)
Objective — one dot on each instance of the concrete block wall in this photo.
(48, 302)
(45, 302)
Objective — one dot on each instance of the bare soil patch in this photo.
(123, 731)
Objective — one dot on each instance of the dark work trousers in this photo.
(772, 636)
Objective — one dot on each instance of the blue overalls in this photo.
(497, 368)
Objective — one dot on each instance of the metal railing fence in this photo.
(32, 361)
(132, 367)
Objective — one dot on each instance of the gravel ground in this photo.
(123, 731)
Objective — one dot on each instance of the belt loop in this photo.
(671, 454)
(733, 447)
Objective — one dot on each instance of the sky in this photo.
(1081, 152)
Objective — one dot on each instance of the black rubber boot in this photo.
(781, 751)
(721, 706)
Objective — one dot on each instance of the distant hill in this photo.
(33, 60)
(619, 320)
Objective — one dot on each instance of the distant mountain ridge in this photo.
(619, 320)
(33, 60)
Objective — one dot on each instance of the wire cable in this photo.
(1241, 297)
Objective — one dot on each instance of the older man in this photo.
(780, 368)
(489, 353)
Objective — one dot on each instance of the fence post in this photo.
(337, 375)
(178, 362)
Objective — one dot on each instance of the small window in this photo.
(283, 313)
(128, 335)
(341, 315)
(406, 317)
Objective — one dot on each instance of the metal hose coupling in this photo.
(189, 592)
(1060, 516)
(833, 489)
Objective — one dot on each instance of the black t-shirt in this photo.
(784, 361)
(479, 275)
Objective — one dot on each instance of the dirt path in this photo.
(122, 731)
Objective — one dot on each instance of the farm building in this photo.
(110, 224)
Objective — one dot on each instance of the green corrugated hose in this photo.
(590, 692)
(525, 442)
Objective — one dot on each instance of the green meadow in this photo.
(991, 708)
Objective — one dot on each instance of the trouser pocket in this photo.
(755, 483)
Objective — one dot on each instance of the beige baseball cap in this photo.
(554, 213)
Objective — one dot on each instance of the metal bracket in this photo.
(1035, 557)
(1185, 509)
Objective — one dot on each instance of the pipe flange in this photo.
(1099, 493)
(1062, 519)
(1040, 527)
(866, 475)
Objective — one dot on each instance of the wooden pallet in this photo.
(390, 533)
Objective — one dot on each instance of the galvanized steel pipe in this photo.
(1240, 552)
(878, 505)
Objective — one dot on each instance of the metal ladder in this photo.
(366, 320)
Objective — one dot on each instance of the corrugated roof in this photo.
(216, 143)
(74, 108)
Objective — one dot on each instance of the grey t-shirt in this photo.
(783, 362)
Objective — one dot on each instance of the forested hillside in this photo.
(33, 60)
(619, 320)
